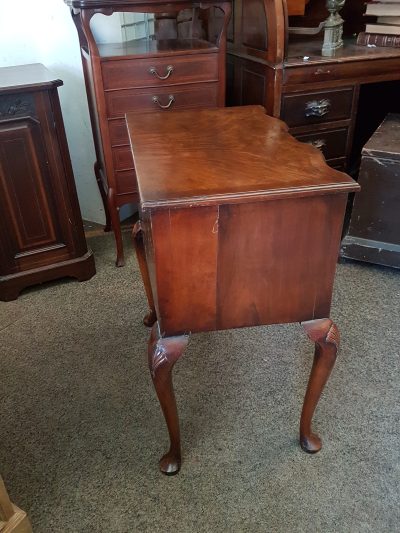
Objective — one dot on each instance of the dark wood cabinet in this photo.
(41, 231)
(317, 96)
(180, 65)
(374, 230)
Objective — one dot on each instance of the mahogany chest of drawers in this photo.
(164, 73)
(41, 231)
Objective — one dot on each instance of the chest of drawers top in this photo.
(26, 78)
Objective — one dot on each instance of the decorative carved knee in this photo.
(325, 334)
(163, 354)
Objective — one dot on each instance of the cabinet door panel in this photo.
(26, 196)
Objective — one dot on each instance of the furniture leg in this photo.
(163, 354)
(116, 226)
(103, 195)
(325, 334)
(138, 243)
(12, 519)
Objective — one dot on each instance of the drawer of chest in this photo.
(313, 107)
(122, 158)
(118, 132)
(126, 182)
(332, 143)
(154, 72)
(161, 99)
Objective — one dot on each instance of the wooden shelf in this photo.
(148, 48)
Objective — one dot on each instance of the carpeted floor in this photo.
(82, 431)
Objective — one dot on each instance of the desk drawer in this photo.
(332, 143)
(159, 71)
(161, 98)
(375, 69)
(313, 107)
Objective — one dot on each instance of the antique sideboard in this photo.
(180, 66)
(334, 103)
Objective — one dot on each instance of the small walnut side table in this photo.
(240, 226)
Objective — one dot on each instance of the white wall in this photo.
(43, 32)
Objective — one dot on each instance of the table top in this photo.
(27, 77)
(223, 155)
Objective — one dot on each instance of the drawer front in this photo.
(380, 69)
(315, 107)
(161, 99)
(118, 132)
(155, 72)
(332, 143)
(122, 157)
(126, 182)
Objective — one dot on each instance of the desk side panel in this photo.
(185, 244)
(277, 260)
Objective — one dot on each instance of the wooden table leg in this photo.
(12, 519)
(325, 334)
(163, 354)
(137, 234)
(116, 226)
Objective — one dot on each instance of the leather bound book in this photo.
(378, 39)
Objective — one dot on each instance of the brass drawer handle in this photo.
(318, 143)
(317, 108)
(167, 106)
(170, 70)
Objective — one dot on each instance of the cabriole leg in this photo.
(325, 334)
(116, 226)
(138, 243)
(163, 354)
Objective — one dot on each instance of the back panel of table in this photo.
(245, 264)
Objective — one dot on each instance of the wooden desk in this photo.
(320, 98)
(241, 226)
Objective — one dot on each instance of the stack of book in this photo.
(386, 30)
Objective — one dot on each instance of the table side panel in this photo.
(277, 260)
(185, 245)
